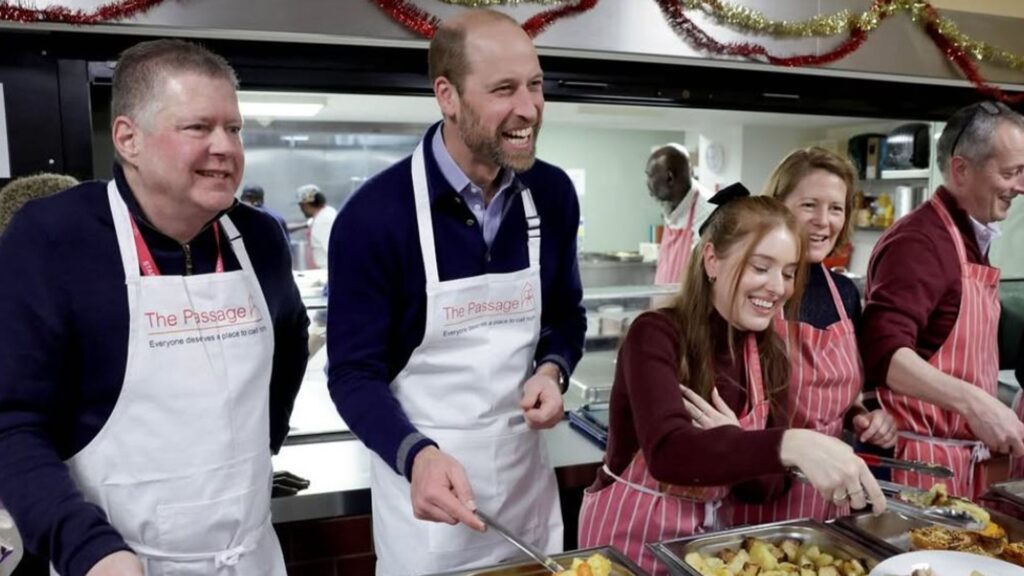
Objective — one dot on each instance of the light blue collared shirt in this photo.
(488, 216)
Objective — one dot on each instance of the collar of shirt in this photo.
(458, 180)
(985, 233)
(678, 216)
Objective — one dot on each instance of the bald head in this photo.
(668, 174)
(448, 56)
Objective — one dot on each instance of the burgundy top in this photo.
(912, 298)
(647, 413)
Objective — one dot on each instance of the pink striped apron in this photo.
(636, 509)
(825, 380)
(674, 253)
(930, 433)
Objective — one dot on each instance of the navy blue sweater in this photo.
(377, 303)
(817, 308)
(63, 348)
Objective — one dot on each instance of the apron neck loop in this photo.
(148, 264)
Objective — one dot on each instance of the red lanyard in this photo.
(148, 264)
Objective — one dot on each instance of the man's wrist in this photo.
(554, 371)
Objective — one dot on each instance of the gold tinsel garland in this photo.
(843, 22)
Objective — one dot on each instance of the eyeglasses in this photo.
(990, 108)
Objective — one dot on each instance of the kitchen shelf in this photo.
(912, 174)
(620, 292)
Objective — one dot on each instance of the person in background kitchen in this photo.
(929, 329)
(320, 217)
(826, 378)
(670, 181)
(162, 463)
(254, 196)
(677, 462)
(455, 313)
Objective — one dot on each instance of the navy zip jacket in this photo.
(377, 303)
(63, 348)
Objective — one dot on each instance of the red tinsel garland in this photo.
(109, 12)
(425, 24)
(701, 40)
(540, 22)
(411, 16)
(965, 63)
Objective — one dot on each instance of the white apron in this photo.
(182, 467)
(461, 387)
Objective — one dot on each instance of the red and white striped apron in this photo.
(636, 509)
(676, 246)
(825, 380)
(971, 354)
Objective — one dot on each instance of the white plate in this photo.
(945, 563)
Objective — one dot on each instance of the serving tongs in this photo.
(545, 560)
(943, 515)
(908, 465)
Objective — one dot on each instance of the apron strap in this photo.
(221, 558)
(123, 229)
(958, 241)
(237, 245)
(979, 451)
(532, 227)
(710, 506)
(423, 220)
(425, 227)
(836, 298)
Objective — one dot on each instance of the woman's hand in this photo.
(876, 427)
(832, 468)
(707, 416)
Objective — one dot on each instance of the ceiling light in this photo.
(280, 109)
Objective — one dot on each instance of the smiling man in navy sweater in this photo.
(455, 313)
(153, 343)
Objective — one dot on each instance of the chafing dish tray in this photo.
(827, 538)
(621, 566)
(890, 531)
(1012, 492)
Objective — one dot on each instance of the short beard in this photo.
(489, 147)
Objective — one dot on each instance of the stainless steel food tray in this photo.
(890, 530)
(673, 552)
(1012, 492)
(621, 566)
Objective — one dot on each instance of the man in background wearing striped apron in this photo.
(932, 306)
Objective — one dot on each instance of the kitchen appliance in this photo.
(864, 150)
(906, 198)
(906, 147)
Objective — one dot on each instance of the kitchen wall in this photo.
(1006, 251)
(616, 208)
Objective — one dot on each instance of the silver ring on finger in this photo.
(839, 496)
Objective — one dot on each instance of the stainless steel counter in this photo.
(339, 473)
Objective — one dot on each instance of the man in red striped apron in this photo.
(930, 321)
(685, 202)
